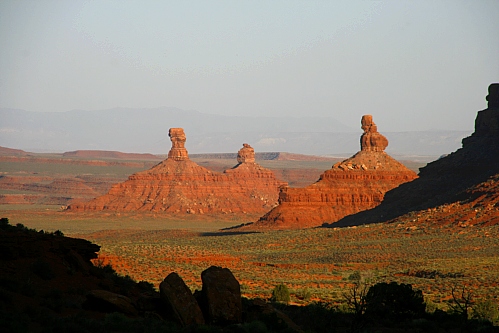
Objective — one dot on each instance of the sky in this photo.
(413, 65)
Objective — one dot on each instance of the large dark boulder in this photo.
(175, 293)
(220, 298)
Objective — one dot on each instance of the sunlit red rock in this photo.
(350, 186)
(178, 185)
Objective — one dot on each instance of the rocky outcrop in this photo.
(178, 151)
(371, 139)
(246, 154)
(180, 186)
(175, 293)
(454, 180)
(350, 186)
(106, 301)
(220, 298)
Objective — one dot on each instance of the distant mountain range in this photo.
(146, 130)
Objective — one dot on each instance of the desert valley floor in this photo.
(318, 262)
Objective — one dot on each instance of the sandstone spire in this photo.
(371, 140)
(178, 151)
(246, 154)
(350, 186)
(178, 185)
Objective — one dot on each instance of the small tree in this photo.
(356, 301)
(355, 297)
(280, 294)
(461, 304)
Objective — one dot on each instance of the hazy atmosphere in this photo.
(414, 65)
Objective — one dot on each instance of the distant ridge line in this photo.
(111, 154)
(265, 156)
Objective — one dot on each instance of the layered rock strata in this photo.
(179, 185)
(453, 179)
(350, 186)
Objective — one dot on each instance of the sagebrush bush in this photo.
(280, 294)
(486, 310)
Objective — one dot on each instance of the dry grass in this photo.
(431, 258)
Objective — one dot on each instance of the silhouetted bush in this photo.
(4, 223)
(393, 301)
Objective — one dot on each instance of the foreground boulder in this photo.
(180, 300)
(106, 301)
(220, 298)
(180, 186)
(350, 186)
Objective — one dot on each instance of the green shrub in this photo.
(486, 310)
(355, 276)
(305, 294)
(280, 294)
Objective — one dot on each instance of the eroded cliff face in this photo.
(350, 186)
(454, 184)
(180, 186)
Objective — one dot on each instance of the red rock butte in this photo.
(350, 186)
(178, 185)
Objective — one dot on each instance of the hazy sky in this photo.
(414, 65)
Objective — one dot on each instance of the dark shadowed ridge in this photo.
(445, 180)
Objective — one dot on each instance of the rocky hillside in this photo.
(458, 188)
(48, 283)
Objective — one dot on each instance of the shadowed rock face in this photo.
(220, 298)
(178, 296)
(350, 186)
(178, 185)
(448, 179)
